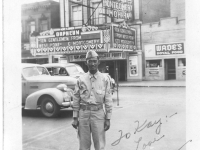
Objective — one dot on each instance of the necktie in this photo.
(92, 78)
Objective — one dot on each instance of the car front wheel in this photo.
(49, 107)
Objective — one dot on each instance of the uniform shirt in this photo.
(91, 89)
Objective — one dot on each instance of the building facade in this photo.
(100, 26)
(136, 39)
(35, 18)
(164, 45)
(107, 15)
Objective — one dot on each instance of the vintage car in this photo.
(42, 91)
(73, 70)
(64, 69)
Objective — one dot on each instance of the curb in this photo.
(147, 86)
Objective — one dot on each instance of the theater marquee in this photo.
(123, 37)
(67, 40)
(81, 39)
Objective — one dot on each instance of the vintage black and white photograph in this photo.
(102, 75)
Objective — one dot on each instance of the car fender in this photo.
(32, 99)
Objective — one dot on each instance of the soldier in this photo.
(92, 93)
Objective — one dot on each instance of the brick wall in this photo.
(165, 31)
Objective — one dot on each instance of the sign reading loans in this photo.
(120, 9)
(169, 49)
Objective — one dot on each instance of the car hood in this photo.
(76, 75)
(62, 79)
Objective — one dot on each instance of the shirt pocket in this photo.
(100, 95)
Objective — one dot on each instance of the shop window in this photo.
(30, 28)
(98, 18)
(76, 16)
(43, 25)
(181, 62)
(153, 63)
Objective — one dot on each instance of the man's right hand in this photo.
(75, 123)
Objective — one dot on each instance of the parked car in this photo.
(73, 70)
(67, 69)
(46, 92)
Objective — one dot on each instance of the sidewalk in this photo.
(166, 83)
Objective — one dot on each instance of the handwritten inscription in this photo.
(147, 144)
(185, 144)
(127, 136)
(141, 127)
(148, 125)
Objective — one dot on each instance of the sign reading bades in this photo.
(169, 49)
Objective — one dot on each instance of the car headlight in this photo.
(62, 87)
(67, 97)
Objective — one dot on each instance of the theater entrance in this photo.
(109, 66)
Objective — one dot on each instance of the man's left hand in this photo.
(107, 124)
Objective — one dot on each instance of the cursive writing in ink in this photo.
(173, 115)
(148, 125)
(151, 142)
(138, 142)
(185, 144)
(127, 136)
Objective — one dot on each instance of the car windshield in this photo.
(34, 71)
(74, 69)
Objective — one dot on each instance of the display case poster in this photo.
(133, 65)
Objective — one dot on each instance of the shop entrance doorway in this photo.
(122, 70)
(170, 69)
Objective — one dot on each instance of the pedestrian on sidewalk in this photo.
(107, 70)
(92, 93)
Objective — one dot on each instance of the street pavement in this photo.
(150, 118)
(165, 83)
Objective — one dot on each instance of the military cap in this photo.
(91, 54)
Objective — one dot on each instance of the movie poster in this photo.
(133, 64)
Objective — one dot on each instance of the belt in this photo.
(91, 107)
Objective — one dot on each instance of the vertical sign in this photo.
(121, 9)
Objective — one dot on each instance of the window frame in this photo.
(160, 64)
(28, 27)
(184, 64)
(47, 23)
(72, 24)
(101, 20)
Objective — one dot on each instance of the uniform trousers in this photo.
(91, 123)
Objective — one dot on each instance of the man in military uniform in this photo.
(92, 91)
